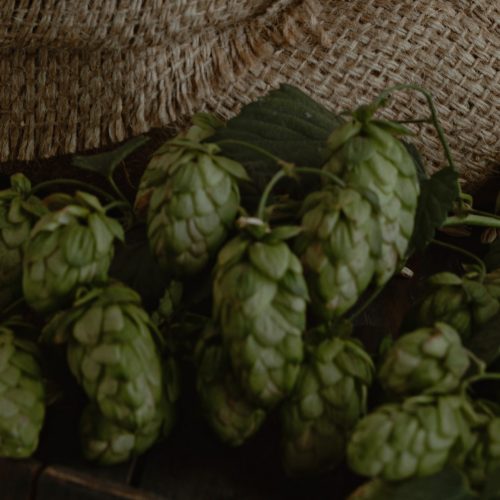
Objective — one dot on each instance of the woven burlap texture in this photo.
(76, 75)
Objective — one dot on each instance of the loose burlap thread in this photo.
(78, 74)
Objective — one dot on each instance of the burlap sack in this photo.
(80, 74)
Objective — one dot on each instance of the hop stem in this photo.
(473, 220)
(255, 148)
(466, 253)
(433, 119)
(291, 172)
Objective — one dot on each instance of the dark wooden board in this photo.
(18, 478)
(67, 483)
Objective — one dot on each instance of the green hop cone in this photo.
(464, 303)
(228, 412)
(18, 212)
(22, 396)
(112, 354)
(70, 247)
(414, 438)
(369, 157)
(328, 400)
(484, 456)
(192, 196)
(338, 248)
(427, 360)
(259, 297)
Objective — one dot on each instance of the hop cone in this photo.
(463, 303)
(328, 400)
(430, 360)
(338, 248)
(112, 354)
(369, 157)
(193, 198)
(484, 457)
(414, 438)
(68, 248)
(232, 417)
(18, 212)
(260, 296)
(22, 396)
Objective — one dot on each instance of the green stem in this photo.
(72, 182)
(481, 365)
(367, 303)
(468, 254)
(117, 190)
(434, 118)
(267, 191)
(310, 170)
(11, 307)
(255, 148)
(117, 204)
(287, 172)
(486, 214)
(482, 376)
(472, 220)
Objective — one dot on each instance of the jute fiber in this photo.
(80, 74)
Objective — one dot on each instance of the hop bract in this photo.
(411, 439)
(339, 248)
(369, 157)
(430, 360)
(259, 296)
(18, 212)
(192, 197)
(68, 248)
(22, 396)
(227, 410)
(329, 398)
(108, 443)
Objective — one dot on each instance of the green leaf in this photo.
(135, 266)
(437, 195)
(492, 258)
(448, 484)
(106, 163)
(285, 122)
